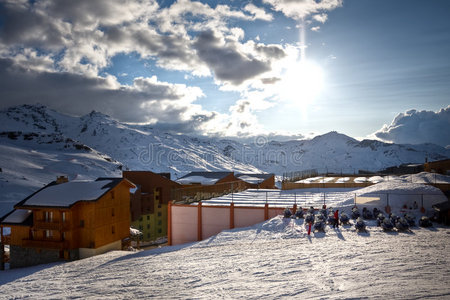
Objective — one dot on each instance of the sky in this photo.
(282, 68)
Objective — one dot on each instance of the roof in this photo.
(253, 178)
(18, 217)
(69, 193)
(204, 178)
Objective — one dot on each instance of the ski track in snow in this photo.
(274, 259)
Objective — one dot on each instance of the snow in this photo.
(271, 260)
(18, 216)
(251, 179)
(360, 179)
(198, 180)
(66, 194)
(135, 232)
(343, 179)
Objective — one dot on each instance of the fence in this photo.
(300, 185)
(197, 193)
(299, 175)
(190, 223)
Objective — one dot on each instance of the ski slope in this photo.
(273, 259)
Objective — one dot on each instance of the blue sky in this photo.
(371, 68)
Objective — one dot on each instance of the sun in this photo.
(302, 82)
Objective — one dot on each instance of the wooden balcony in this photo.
(45, 244)
(51, 225)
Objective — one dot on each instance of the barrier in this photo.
(190, 223)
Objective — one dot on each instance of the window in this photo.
(48, 216)
(148, 218)
(112, 212)
(113, 230)
(63, 216)
(159, 230)
(140, 219)
(159, 205)
(141, 227)
(159, 222)
(81, 223)
(63, 237)
(148, 226)
(48, 234)
(159, 214)
(148, 235)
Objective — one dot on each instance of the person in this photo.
(415, 205)
(336, 219)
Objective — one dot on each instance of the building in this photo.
(258, 181)
(197, 186)
(149, 202)
(439, 166)
(69, 220)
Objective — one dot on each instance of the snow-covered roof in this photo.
(253, 178)
(18, 216)
(67, 194)
(197, 179)
(204, 178)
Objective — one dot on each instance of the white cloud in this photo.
(415, 127)
(300, 9)
(258, 12)
(322, 18)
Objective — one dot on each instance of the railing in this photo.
(49, 244)
(197, 193)
(51, 225)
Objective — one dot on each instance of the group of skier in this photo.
(331, 217)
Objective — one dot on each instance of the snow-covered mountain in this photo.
(38, 143)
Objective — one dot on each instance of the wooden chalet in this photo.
(69, 220)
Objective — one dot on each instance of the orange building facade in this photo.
(69, 220)
(149, 202)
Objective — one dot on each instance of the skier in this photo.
(336, 219)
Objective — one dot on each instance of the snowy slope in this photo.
(29, 162)
(271, 260)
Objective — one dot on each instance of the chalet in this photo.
(258, 181)
(149, 202)
(69, 220)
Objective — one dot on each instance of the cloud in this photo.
(300, 9)
(58, 53)
(225, 59)
(258, 12)
(147, 99)
(416, 127)
(322, 18)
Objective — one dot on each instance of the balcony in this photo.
(45, 244)
(51, 225)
